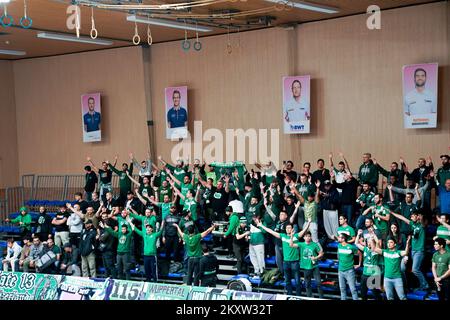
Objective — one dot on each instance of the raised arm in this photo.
(345, 161)
(78, 213)
(208, 231)
(302, 233)
(268, 230)
(391, 194)
(132, 179)
(173, 177)
(179, 230)
(92, 164)
(140, 197)
(317, 197)
(400, 217)
(358, 236)
(294, 214)
(408, 245)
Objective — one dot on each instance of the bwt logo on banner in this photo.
(258, 145)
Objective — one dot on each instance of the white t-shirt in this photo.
(296, 111)
(420, 102)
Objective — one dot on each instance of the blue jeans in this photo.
(417, 258)
(151, 269)
(292, 268)
(347, 211)
(348, 277)
(394, 284)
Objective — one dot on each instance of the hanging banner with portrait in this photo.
(420, 91)
(176, 112)
(296, 104)
(91, 117)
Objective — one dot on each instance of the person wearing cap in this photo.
(150, 237)
(69, 258)
(24, 221)
(240, 245)
(417, 246)
(208, 268)
(132, 201)
(170, 235)
(443, 173)
(87, 249)
(59, 222)
(124, 237)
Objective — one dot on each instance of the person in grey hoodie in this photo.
(75, 225)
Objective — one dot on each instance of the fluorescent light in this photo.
(12, 52)
(167, 23)
(5, 1)
(308, 6)
(68, 37)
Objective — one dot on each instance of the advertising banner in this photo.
(28, 286)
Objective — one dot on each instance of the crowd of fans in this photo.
(267, 212)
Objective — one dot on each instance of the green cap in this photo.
(243, 220)
(23, 209)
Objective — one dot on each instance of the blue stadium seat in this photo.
(415, 296)
(272, 260)
(333, 245)
(175, 275)
(433, 297)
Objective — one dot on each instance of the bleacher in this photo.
(227, 271)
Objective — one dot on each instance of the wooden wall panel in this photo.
(9, 166)
(48, 94)
(356, 84)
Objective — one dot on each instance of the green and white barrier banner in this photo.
(28, 286)
(77, 288)
(127, 290)
(159, 291)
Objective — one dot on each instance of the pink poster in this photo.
(91, 117)
(296, 104)
(420, 91)
(176, 112)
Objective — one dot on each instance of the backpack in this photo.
(46, 260)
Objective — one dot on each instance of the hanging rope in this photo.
(229, 47)
(26, 22)
(149, 33)
(78, 20)
(197, 43)
(136, 37)
(94, 32)
(5, 17)
(185, 44)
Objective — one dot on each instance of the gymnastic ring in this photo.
(2, 20)
(136, 39)
(28, 24)
(149, 40)
(186, 45)
(94, 33)
(197, 45)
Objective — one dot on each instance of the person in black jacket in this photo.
(91, 181)
(44, 225)
(208, 268)
(322, 174)
(107, 245)
(348, 196)
(87, 250)
(170, 234)
(69, 261)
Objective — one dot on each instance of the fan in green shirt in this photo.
(192, 244)
(380, 215)
(179, 171)
(346, 253)
(182, 187)
(346, 229)
(418, 232)
(189, 203)
(124, 237)
(443, 231)
(150, 238)
(165, 205)
(441, 268)
(23, 219)
(124, 180)
(148, 219)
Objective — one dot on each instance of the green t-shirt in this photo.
(346, 256)
(191, 205)
(309, 250)
(310, 209)
(179, 173)
(444, 233)
(256, 235)
(124, 243)
(184, 189)
(418, 237)
(347, 230)
(164, 191)
(289, 254)
(392, 262)
(149, 241)
(165, 209)
(442, 262)
(121, 221)
(145, 220)
(381, 225)
(192, 244)
(371, 262)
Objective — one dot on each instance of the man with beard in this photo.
(380, 215)
(322, 174)
(368, 172)
(420, 100)
(287, 170)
